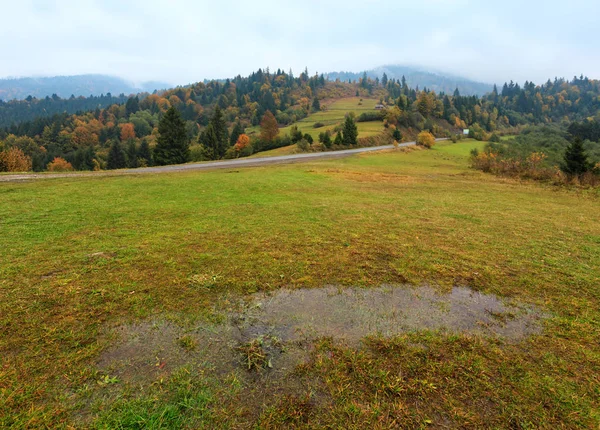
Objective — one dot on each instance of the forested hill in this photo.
(66, 86)
(245, 102)
(415, 77)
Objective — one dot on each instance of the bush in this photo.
(318, 125)
(60, 165)
(495, 138)
(303, 145)
(425, 139)
(308, 138)
(371, 116)
(14, 160)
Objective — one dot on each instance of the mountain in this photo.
(65, 86)
(436, 81)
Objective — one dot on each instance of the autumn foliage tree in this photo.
(243, 142)
(425, 139)
(269, 130)
(14, 160)
(59, 164)
(127, 131)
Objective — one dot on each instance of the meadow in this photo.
(332, 115)
(82, 257)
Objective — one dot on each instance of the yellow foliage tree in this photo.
(14, 160)
(425, 139)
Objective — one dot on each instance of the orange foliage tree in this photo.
(242, 142)
(127, 131)
(268, 127)
(60, 165)
(14, 160)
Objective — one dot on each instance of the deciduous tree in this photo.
(269, 130)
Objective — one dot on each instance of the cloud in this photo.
(182, 41)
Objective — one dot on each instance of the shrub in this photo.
(495, 138)
(303, 145)
(308, 138)
(14, 160)
(425, 139)
(60, 165)
(318, 125)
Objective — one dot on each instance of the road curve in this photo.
(223, 164)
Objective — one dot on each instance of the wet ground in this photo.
(277, 329)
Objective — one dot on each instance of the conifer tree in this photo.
(575, 159)
(144, 154)
(116, 157)
(316, 105)
(132, 160)
(209, 140)
(172, 145)
(237, 131)
(338, 139)
(350, 134)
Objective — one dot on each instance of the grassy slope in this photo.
(334, 114)
(394, 217)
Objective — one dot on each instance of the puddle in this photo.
(353, 313)
(284, 323)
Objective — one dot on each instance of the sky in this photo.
(184, 41)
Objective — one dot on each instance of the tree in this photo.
(237, 131)
(144, 154)
(220, 128)
(316, 105)
(127, 131)
(425, 139)
(116, 157)
(397, 135)
(575, 159)
(132, 105)
(384, 80)
(242, 142)
(325, 138)
(268, 127)
(350, 133)
(338, 139)
(172, 145)
(132, 159)
(14, 160)
(210, 142)
(60, 165)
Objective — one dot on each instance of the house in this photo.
(379, 107)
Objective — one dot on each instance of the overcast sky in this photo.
(183, 41)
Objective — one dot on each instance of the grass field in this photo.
(334, 114)
(80, 257)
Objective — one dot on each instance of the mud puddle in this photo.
(273, 332)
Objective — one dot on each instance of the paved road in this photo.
(224, 164)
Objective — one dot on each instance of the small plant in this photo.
(108, 380)
(187, 342)
(254, 355)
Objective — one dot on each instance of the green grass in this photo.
(333, 115)
(416, 217)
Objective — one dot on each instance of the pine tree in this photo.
(132, 160)
(220, 130)
(116, 157)
(172, 145)
(338, 139)
(384, 80)
(144, 153)
(397, 135)
(575, 159)
(350, 135)
(238, 130)
(209, 140)
(316, 105)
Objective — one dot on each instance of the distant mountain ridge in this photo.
(436, 81)
(78, 85)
